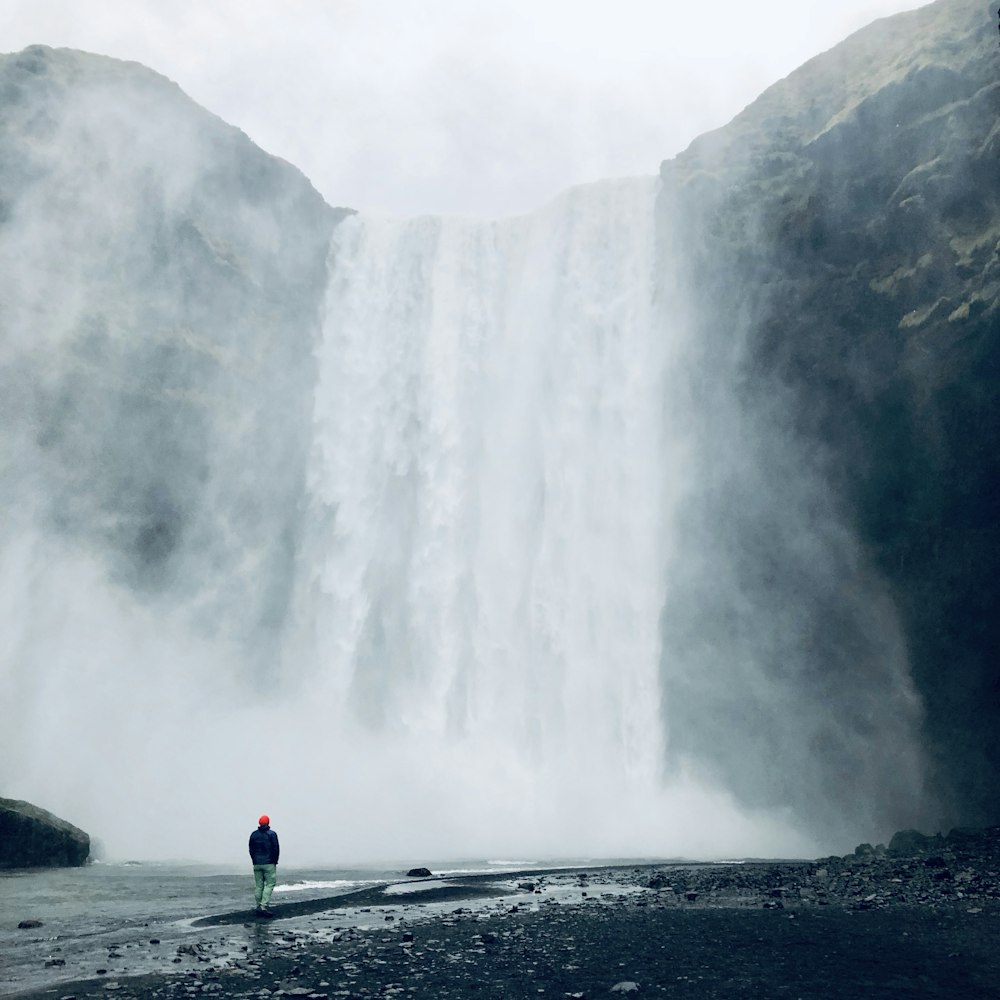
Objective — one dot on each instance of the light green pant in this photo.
(264, 877)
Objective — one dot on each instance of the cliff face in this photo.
(160, 278)
(840, 242)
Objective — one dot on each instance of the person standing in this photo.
(264, 855)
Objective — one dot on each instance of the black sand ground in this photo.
(927, 926)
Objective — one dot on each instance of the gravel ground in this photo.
(866, 926)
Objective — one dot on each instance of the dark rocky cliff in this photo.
(160, 282)
(841, 249)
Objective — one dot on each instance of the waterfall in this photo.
(490, 501)
(487, 474)
(473, 656)
(427, 537)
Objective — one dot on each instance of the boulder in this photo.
(419, 873)
(908, 843)
(31, 837)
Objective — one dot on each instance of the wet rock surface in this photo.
(32, 837)
(866, 925)
(841, 242)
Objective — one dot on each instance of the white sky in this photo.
(478, 107)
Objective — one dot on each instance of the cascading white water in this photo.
(489, 447)
(491, 497)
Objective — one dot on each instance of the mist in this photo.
(457, 108)
(431, 538)
(425, 623)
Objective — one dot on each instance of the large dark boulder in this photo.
(31, 837)
(911, 843)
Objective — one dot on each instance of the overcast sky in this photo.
(477, 107)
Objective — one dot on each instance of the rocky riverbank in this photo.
(873, 924)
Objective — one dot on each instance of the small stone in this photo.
(29, 925)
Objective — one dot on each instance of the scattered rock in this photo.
(626, 987)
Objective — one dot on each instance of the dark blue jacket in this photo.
(264, 846)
